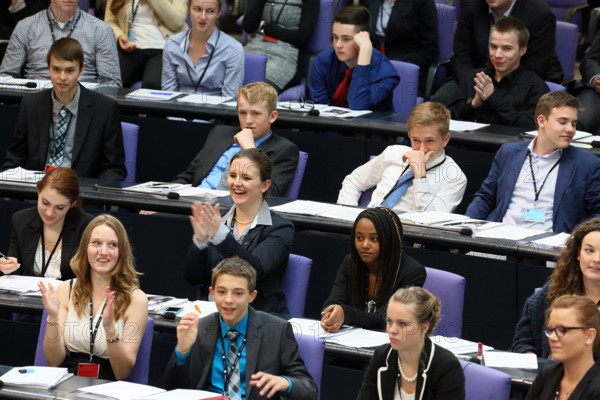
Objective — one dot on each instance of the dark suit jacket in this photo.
(411, 274)
(266, 248)
(98, 147)
(445, 377)
(471, 40)
(590, 65)
(8, 20)
(548, 382)
(281, 151)
(576, 196)
(26, 231)
(271, 348)
(411, 34)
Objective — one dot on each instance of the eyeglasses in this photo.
(560, 330)
(301, 105)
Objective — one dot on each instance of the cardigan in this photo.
(547, 382)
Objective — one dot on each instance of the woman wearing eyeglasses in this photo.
(573, 324)
(577, 272)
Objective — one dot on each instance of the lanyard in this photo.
(134, 10)
(94, 331)
(535, 190)
(44, 263)
(383, 28)
(70, 30)
(212, 53)
(226, 376)
(406, 169)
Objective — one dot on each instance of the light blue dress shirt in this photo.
(223, 77)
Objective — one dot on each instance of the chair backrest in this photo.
(449, 288)
(295, 283)
(405, 94)
(294, 186)
(84, 5)
(130, 142)
(566, 48)
(365, 197)
(139, 373)
(447, 20)
(485, 383)
(555, 87)
(255, 68)
(560, 9)
(311, 349)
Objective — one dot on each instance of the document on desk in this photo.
(557, 240)
(203, 99)
(339, 112)
(35, 377)
(25, 285)
(361, 338)
(186, 394)
(456, 345)
(325, 210)
(432, 217)
(312, 327)
(203, 308)
(158, 303)
(152, 94)
(21, 175)
(579, 135)
(465, 126)
(505, 359)
(119, 390)
(509, 232)
(184, 190)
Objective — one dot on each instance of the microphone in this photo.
(169, 315)
(169, 195)
(29, 85)
(462, 231)
(595, 143)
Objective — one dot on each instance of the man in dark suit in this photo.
(68, 125)
(257, 110)
(589, 95)
(564, 188)
(259, 350)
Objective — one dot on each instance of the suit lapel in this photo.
(44, 126)
(252, 350)
(565, 169)
(84, 117)
(34, 232)
(208, 338)
(510, 178)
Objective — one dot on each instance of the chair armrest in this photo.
(431, 73)
(571, 11)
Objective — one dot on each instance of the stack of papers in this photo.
(465, 126)
(347, 336)
(22, 175)
(158, 304)
(119, 390)
(184, 190)
(324, 109)
(456, 345)
(504, 359)
(35, 377)
(151, 94)
(25, 285)
(558, 240)
(315, 208)
(510, 232)
(203, 99)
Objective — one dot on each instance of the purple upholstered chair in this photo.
(449, 288)
(485, 383)
(255, 68)
(566, 48)
(555, 87)
(365, 197)
(295, 283)
(447, 19)
(405, 94)
(311, 349)
(130, 142)
(294, 186)
(139, 373)
(567, 10)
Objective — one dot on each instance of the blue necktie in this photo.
(399, 189)
(235, 385)
(58, 153)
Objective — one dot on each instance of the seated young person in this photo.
(203, 59)
(421, 178)
(351, 73)
(267, 363)
(33, 36)
(68, 125)
(573, 324)
(369, 275)
(565, 187)
(411, 366)
(45, 238)
(575, 273)
(106, 287)
(248, 230)
(257, 110)
(505, 93)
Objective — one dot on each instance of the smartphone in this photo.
(174, 310)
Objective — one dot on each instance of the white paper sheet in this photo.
(456, 345)
(465, 126)
(305, 207)
(152, 94)
(120, 390)
(504, 359)
(25, 284)
(36, 377)
(206, 308)
(557, 240)
(184, 394)
(203, 99)
(507, 232)
(21, 175)
(579, 135)
(312, 327)
(361, 338)
(432, 217)
(339, 112)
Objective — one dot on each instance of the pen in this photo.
(3, 255)
(162, 93)
(480, 351)
(197, 308)
(26, 371)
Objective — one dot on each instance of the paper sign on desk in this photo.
(119, 390)
(203, 99)
(504, 359)
(465, 126)
(35, 377)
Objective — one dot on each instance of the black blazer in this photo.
(471, 40)
(266, 248)
(590, 65)
(548, 380)
(411, 34)
(26, 231)
(411, 274)
(281, 151)
(271, 348)
(98, 147)
(9, 20)
(440, 375)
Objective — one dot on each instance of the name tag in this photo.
(131, 35)
(88, 370)
(534, 215)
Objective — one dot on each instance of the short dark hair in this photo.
(512, 24)
(358, 16)
(554, 100)
(237, 267)
(67, 49)
(262, 161)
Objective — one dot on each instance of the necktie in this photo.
(58, 153)
(235, 386)
(340, 96)
(399, 189)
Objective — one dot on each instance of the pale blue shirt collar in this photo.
(555, 154)
(262, 218)
(212, 42)
(507, 13)
(241, 327)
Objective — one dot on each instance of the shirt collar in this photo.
(73, 106)
(69, 21)
(262, 218)
(436, 160)
(555, 154)
(241, 327)
(185, 44)
(259, 141)
(510, 78)
(507, 13)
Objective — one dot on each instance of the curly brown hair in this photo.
(567, 277)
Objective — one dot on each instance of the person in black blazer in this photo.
(257, 110)
(9, 19)
(57, 222)
(572, 329)
(411, 363)
(371, 273)
(249, 230)
(410, 34)
(93, 144)
(589, 94)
